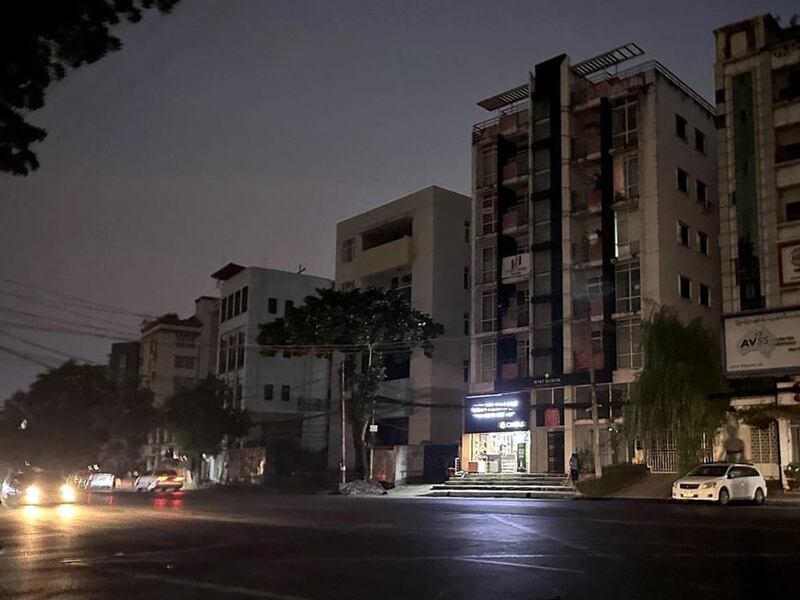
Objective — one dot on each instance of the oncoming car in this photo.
(165, 480)
(36, 487)
(722, 483)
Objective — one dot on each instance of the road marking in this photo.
(514, 564)
(552, 538)
(202, 585)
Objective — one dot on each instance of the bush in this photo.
(615, 477)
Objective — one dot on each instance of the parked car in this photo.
(36, 487)
(722, 483)
(159, 481)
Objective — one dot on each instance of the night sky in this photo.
(244, 130)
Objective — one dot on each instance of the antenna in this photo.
(300, 269)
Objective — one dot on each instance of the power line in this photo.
(47, 348)
(16, 325)
(26, 357)
(23, 313)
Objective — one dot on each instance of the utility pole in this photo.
(598, 463)
(343, 466)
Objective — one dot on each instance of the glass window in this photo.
(487, 167)
(624, 120)
(488, 311)
(488, 361)
(629, 353)
(237, 302)
(705, 295)
(223, 310)
(700, 141)
(286, 393)
(268, 392)
(790, 203)
(488, 266)
(229, 313)
(685, 287)
(272, 306)
(680, 127)
(622, 246)
(348, 250)
(630, 173)
(628, 287)
(684, 236)
(288, 306)
(702, 242)
(702, 195)
(683, 180)
(523, 352)
(488, 215)
(466, 278)
(223, 355)
(542, 365)
(240, 350)
(245, 293)
(541, 272)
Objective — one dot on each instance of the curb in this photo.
(769, 502)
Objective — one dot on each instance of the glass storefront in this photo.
(498, 452)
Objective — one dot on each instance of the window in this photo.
(488, 311)
(466, 278)
(685, 287)
(542, 365)
(232, 347)
(229, 314)
(245, 293)
(683, 180)
(789, 199)
(465, 367)
(702, 242)
(286, 393)
(268, 392)
(184, 362)
(466, 323)
(624, 120)
(702, 195)
(466, 232)
(488, 215)
(700, 141)
(348, 250)
(237, 302)
(487, 168)
(629, 352)
(488, 358)
(488, 266)
(630, 175)
(705, 295)
(288, 306)
(541, 273)
(787, 143)
(684, 236)
(541, 221)
(541, 169)
(183, 340)
(680, 127)
(223, 311)
(240, 350)
(622, 246)
(628, 287)
(523, 354)
(764, 444)
(223, 355)
(272, 306)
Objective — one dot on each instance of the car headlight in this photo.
(67, 493)
(33, 494)
(708, 485)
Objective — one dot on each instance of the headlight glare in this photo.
(33, 494)
(67, 493)
(708, 485)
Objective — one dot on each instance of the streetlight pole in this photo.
(343, 466)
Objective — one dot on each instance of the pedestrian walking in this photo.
(574, 468)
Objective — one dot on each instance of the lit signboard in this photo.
(496, 412)
(766, 342)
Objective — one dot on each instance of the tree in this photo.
(39, 41)
(367, 326)
(71, 417)
(678, 393)
(201, 421)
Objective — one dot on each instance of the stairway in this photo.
(505, 485)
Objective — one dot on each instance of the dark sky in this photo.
(244, 130)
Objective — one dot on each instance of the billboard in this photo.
(496, 412)
(789, 264)
(761, 343)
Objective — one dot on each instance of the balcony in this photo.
(587, 252)
(391, 255)
(581, 360)
(586, 147)
(515, 317)
(591, 200)
(593, 305)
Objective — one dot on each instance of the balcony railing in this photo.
(591, 199)
(586, 252)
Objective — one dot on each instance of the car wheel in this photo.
(758, 498)
(724, 497)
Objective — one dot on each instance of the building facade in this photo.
(418, 243)
(123, 364)
(286, 396)
(757, 80)
(175, 353)
(594, 204)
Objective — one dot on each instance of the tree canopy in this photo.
(71, 417)
(367, 326)
(40, 41)
(678, 392)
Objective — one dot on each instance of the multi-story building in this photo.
(175, 354)
(286, 396)
(758, 121)
(593, 199)
(123, 364)
(418, 243)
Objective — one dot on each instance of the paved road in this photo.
(248, 545)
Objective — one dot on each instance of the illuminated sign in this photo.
(765, 342)
(495, 412)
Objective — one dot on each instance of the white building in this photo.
(286, 396)
(593, 194)
(419, 243)
(758, 111)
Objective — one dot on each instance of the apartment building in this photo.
(123, 364)
(175, 354)
(757, 77)
(418, 243)
(286, 396)
(594, 203)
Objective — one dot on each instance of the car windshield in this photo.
(167, 474)
(709, 471)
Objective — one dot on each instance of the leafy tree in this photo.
(366, 325)
(71, 417)
(678, 393)
(39, 41)
(200, 420)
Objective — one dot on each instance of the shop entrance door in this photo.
(555, 452)
(496, 452)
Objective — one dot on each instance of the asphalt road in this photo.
(251, 545)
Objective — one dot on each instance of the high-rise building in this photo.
(419, 244)
(594, 203)
(286, 396)
(175, 353)
(757, 80)
(123, 364)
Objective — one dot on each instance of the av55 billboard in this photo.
(765, 342)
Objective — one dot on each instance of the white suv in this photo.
(721, 482)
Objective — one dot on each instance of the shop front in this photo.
(497, 437)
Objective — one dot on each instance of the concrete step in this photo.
(507, 481)
(528, 488)
(566, 495)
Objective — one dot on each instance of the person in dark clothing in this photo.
(574, 468)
